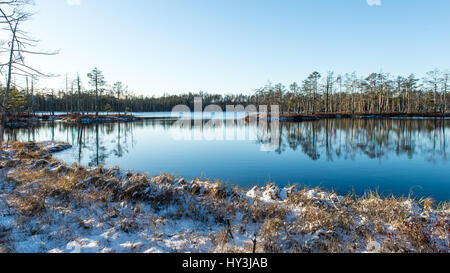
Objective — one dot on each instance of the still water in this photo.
(391, 156)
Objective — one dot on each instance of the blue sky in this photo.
(230, 46)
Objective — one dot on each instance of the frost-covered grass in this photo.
(48, 206)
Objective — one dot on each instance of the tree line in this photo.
(348, 93)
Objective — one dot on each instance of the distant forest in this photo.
(376, 93)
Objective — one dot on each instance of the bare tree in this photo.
(328, 90)
(78, 82)
(119, 90)
(433, 81)
(444, 89)
(12, 14)
(31, 94)
(71, 96)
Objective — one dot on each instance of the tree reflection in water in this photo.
(329, 139)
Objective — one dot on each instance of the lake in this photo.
(391, 156)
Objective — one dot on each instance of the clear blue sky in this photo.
(229, 46)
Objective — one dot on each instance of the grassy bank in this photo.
(48, 206)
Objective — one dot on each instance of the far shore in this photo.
(298, 117)
(25, 120)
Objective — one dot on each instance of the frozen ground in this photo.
(47, 206)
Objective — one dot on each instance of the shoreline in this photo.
(93, 119)
(285, 117)
(48, 206)
(25, 121)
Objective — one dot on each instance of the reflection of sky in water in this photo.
(391, 156)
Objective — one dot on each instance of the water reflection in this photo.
(375, 138)
(334, 138)
(331, 139)
(391, 154)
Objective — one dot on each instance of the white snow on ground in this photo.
(108, 210)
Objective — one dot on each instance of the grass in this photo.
(233, 220)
